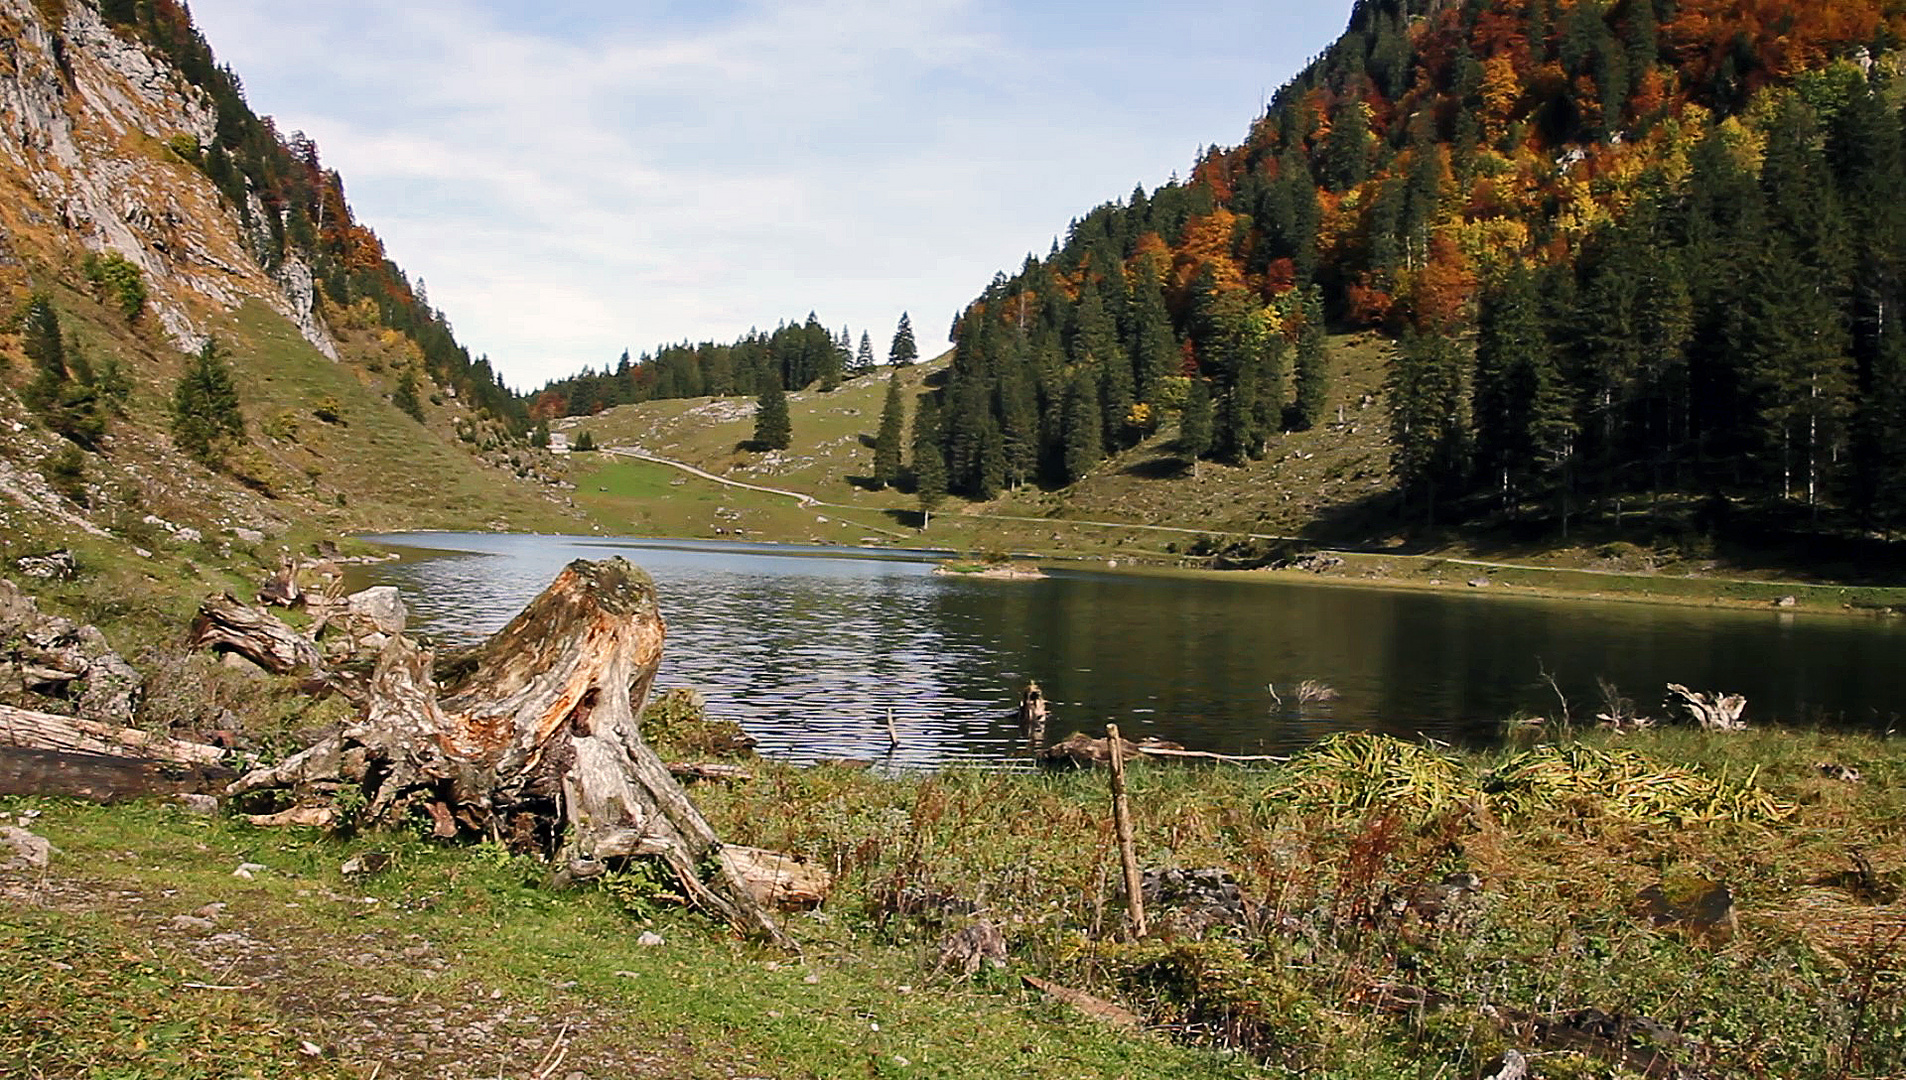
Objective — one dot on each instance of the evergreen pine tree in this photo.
(1346, 150)
(40, 334)
(1018, 420)
(893, 422)
(1194, 424)
(864, 359)
(62, 390)
(1313, 374)
(929, 457)
(1084, 436)
(772, 427)
(1155, 355)
(1427, 423)
(904, 351)
(205, 410)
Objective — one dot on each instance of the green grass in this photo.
(1809, 980)
(706, 1002)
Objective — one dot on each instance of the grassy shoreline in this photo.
(1356, 958)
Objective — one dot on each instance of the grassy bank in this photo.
(1405, 913)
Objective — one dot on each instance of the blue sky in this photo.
(571, 178)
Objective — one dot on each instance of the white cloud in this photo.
(574, 178)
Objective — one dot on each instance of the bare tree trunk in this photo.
(532, 738)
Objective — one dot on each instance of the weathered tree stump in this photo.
(1713, 712)
(532, 738)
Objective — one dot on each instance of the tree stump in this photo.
(532, 738)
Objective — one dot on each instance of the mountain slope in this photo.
(1582, 221)
(147, 210)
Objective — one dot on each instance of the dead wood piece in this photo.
(1122, 822)
(1084, 751)
(281, 588)
(710, 770)
(225, 625)
(533, 735)
(979, 945)
(1095, 1007)
(1713, 712)
(776, 879)
(311, 817)
(102, 777)
(46, 731)
(1512, 1065)
(1032, 708)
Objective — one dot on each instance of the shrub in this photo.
(65, 469)
(119, 280)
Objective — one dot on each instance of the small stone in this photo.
(29, 849)
(1787, 601)
(367, 862)
(247, 870)
(191, 922)
(202, 805)
(900, 1061)
(649, 939)
(310, 1049)
(627, 975)
(812, 979)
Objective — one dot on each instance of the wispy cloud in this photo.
(574, 176)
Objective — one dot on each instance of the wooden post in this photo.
(1122, 819)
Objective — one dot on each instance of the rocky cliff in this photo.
(91, 118)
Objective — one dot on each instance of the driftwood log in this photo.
(103, 777)
(26, 729)
(1084, 751)
(1713, 712)
(530, 738)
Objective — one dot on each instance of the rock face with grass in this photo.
(530, 738)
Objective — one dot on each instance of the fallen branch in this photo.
(47, 731)
(1084, 751)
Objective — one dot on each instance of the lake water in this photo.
(808, 648)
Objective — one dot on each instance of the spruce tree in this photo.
(1427, 422)
(1018, 421)
(903, 351)
(893, 422)
(62, 390)
(864, 359)
(1155, 355)
(1313, 375)
(1084, 435)
(929, 457)
(1194, 424)
(205, 410)
(772, 427)
(40, 334)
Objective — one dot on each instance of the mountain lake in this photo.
(810, 648)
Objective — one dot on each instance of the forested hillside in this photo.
(1647, 248)
(797, 355)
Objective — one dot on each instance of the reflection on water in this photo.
(810, 647)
